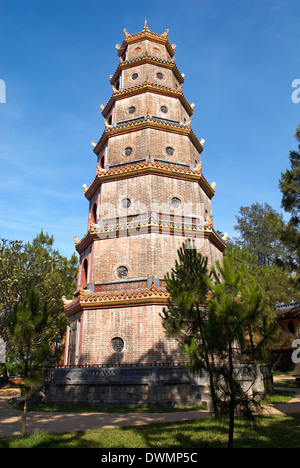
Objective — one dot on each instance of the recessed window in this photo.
(84, 274)
(128, 151)
(126, 202)
(291, 327)
(134, 76)
(159, 75)
(122, 272)
(94, 212)
(117, 344)
(169, 150)
(164, 109)
(175, 202)
(131, 110)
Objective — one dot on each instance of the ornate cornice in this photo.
(149, 166)
(102, 300)
(149, 121)
(146, 86)
(143, 88)
(150, 224)
(146, 58)
(146, 34)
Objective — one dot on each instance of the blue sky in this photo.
(239, 58)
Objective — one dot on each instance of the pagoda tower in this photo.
(149, 196)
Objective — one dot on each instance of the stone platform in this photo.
(130, 386)
(138, 386)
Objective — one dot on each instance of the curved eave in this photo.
(148, 167)
(143, 88)
(104, 300)
(147, 59)
(153, 122)
(147, 227)
(146, 34)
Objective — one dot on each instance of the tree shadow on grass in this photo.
(269, 432)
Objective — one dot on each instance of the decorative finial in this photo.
(93, 144)
(100, 169)
(102, 107)
(209, 223)
(213, 185)
(84, 187)
(225, 237)
(76, 240)
(93, 225)
(66, 301)
(145, 25)
(198, 167)
(202, 142)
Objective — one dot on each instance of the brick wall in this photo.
(139, 327)
(145, 256)
(151, 142)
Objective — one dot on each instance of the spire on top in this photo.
(146, 31)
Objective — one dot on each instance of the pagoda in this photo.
(149, 195)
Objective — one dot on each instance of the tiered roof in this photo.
(149, 166)
(146, 34)
(87, 300)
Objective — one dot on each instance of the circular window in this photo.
(137, 50)
(134, 76)
(164, 109)
(131, 110)
(122, 272)
(128, 151)
(126, 202)
(169, 150)
(117, 344)
(175, 202)
(159, 75)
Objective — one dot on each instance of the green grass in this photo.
(287, 384)
(278, 396)
(271, 432)
(105, 409)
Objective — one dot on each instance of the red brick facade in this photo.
(148, 196)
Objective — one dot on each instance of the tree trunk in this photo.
(4, 373)
(232, 398)
(231, 424)
(24, 419)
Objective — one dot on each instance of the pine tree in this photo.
(241, 332)
(29, 328)
(290, 187)
(223, 325)
(186, 313)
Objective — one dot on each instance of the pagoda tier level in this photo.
(148, 197)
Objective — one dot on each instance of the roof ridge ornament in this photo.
(146, 26)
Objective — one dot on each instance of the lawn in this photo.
(271, 432)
